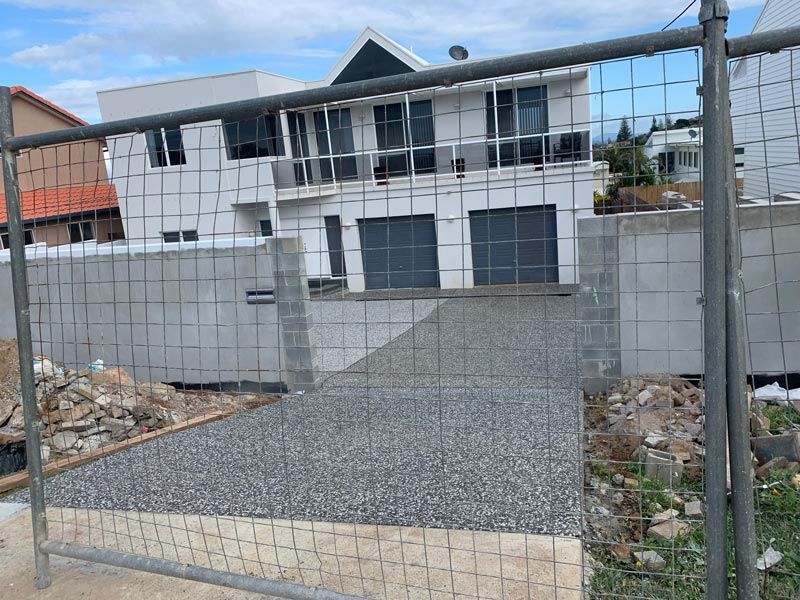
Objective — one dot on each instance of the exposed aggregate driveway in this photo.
(468, 419)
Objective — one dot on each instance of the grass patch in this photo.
(778, 518)
(780, 418)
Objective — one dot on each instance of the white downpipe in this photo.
(330, 145)
(496, 126)
(410, 140)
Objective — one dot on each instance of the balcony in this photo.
(445, 161)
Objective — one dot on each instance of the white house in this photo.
(397, 191)
(766, 118)
(679, 153)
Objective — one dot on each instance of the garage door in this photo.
(399, 252)
(514, 245)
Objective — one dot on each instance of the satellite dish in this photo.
(692, 133)
(458, 53)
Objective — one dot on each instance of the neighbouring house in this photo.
(766, 121)
(66, 195)
(478, 183)
(678, 153)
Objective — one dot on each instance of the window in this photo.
(266, 227)
(403, 126)
(334, 130)
(254, 138)
(188, 235)
(695, 159)
(165, 147)
(29, 239)
(298, 139)
(739, 154)
(82, 231)
(517, 113)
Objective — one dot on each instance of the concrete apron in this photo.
(369, 560)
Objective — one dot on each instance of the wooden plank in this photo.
(17, 480)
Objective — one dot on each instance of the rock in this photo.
(45, 450)
(64, 440)
(668, 530)
(85, 390)
(651, 441)
(615, 399)
(759, 424)
(117, 412)
(650, 560)
(779, 462)
(630, 483)
(690, 393)
(796, 481)
(114, 377)
(94, 431)
(664, 516)
(617, 498)
(644, 397)
(65, 404)
(662, 467)
(618, 479)
(77, 425)
(768, 447)
(17, 420)
(693, 429)
(621, 552)
(601, 510)
(693, 509)
(769, 559)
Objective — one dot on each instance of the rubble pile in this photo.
(660, 420)
(84, 410)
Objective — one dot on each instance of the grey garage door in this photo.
(514, 245)
(399, 252)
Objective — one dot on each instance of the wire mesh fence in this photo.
(443, 342)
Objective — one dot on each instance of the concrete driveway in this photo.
(469, 418)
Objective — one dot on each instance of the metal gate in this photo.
(313, 370)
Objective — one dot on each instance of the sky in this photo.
(67, 50)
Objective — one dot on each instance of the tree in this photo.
(654, 127)
(624, 134)
(630, 167)
(668, 123)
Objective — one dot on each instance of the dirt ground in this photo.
(9, 368)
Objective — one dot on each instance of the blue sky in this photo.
(66, 50)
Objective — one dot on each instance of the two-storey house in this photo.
(66, 196)
(473, 184)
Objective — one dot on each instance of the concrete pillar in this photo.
(299, 357)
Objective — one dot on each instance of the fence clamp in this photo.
(700, 90)
(701, 300)
(714, 10)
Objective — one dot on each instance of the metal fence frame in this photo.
(722, 286)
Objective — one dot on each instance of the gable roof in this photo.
(372, 55)
(49, 203)
(72, 119)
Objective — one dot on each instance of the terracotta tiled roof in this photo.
(48, 203)
(19, 89)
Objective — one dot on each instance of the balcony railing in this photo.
(451, 160)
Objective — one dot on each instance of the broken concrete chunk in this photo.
(662, 467)
(668, 530)
(769, 559)
(664, 516)
(651, 441)
(64, 440)
(644, 397)
(618, 479)
(779, 462)
(771, 446)
(693, 509)
(650, 560)
(85, 390)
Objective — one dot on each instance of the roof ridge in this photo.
(17, 89)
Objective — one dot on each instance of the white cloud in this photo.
(188, 29)
(76, 54)
(80, 95)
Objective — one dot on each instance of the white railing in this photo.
(548, 154)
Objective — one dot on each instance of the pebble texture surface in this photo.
(468, 419)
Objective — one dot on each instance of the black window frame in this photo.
(78, 231)
(165, 147)
(337, 160)
(30, 239)
(510, 124)
(413, 122)
(265, 227)
(264, 137)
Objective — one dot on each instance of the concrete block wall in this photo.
(654, 304)
(175, 313)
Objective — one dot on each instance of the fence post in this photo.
(23, 321)
(713, 17)
(741, 464)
